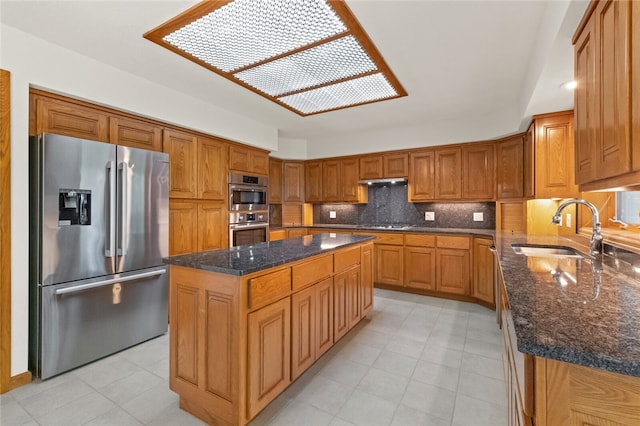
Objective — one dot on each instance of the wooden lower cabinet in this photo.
(303, 330)
(453, 271)
(389, 264)
(269, 354)
(483, 271)
(324, 316)
(420, 267)
(340, 306)
(197, 226)
(366, 279)
(353, 296)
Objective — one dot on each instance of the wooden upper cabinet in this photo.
(528, 166)
(68, 119)
(448, 182)
(135, 133)
(371, 167)
(249, 160)
(293, 177)
(212, 169)
(331, 181)
(396, 165)
(183, 163)
(313, 181)
(276, 180)
(351, 191)
(421, 177)
(509, 157)
(554, 161)
(478, 172)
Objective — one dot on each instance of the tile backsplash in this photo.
(388, 205)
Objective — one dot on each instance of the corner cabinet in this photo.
(509, 165)
(484, 271)
(607, 69)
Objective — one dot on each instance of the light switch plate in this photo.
(568, 220)
(332, 214)
(429, 216)
(478, 216)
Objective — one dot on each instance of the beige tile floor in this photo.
(414, 361)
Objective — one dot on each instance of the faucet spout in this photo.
(596, 236)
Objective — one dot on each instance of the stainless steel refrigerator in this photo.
(98, 233)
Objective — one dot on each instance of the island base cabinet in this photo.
(269, 354)
(303, 327)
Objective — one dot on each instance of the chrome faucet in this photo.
(595, 245)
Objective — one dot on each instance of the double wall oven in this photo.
(248, 209)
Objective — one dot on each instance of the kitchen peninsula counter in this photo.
(245, 322)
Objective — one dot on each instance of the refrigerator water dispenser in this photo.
(74, 207)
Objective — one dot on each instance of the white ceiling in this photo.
(456, 59)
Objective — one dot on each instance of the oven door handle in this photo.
(82, 287)
(249, 226)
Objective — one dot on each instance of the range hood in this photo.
(383, 181)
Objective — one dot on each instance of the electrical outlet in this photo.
(429, 216)
(568, 220)
(332, 214)
(478, 217)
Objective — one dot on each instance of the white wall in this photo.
(36, 62)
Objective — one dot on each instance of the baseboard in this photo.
(20, 380)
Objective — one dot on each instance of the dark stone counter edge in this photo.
(186, 261)
(410, 230)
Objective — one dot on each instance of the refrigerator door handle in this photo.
(110, 244)
(82, 287)
(124, 195)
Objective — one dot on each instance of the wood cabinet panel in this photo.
(510, 155)
(478, 181)
(396, 165)
(296, 232)
(64, 118)
(313, 181)
(420, 267)
(371, 167)
(389, 264)
(366, 279)
(183, 163)
(340, 305)
(448, 241)
(324, 316)
(353, 296)
(183, 227)
(303, 328)
(483, 271)
(331, 184)
(244, 159)
(528, 166)
(135, 133)
(351, 191)
(220, 335)
(453, 271)
(276, 181)
(422, 176)
(448, 179)
(279, 234)
(420, 240)
(293, 182)
(309, 272)
(346, 258)
(212, 226)
(212, 169)
(269, 343)
(268, 287)
(187, 334)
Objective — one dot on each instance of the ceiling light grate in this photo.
(298, 53)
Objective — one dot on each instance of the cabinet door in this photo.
(452, 271)
(585, 104)
(239, 158)
(396, 165)
(613, 137)
(331, 181)
(276, 181)
(448, 182)
(212, 169)
(420, 267)
(371, 167)
(183, 163)
(340, 305)
(293, 182)
(135, 134)
(183, 227)
(510, 162)
(350, 190)
(554, 157)
(313, 181)
(483, 271)
(268, 354)
(280, 234)
(528, 157)
(324, 316)
(303, 329)
(421, 180)
(213, 232)
(366, 280)
(296, 232)
(478, 172)
(259, 162)
(65, 118)
(389, 264)
(353, 296)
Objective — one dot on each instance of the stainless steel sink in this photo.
(539, 250)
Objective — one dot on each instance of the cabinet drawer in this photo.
(269, 287)
(314, 270)
(346, 258)
(386, 238)
(420, 240)
(453, 242)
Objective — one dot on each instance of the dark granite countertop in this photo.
(244, 260)
(576, 310)
(396, 228)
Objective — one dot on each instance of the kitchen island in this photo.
(245, 322)
(571, 327)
